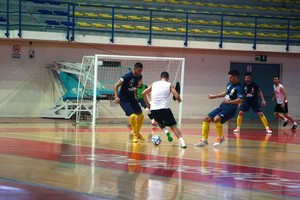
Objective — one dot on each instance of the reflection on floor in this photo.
(48, 160)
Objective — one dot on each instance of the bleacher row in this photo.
(133, 17)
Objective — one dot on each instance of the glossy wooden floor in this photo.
(59, 160)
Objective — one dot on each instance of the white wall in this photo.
(25, 85)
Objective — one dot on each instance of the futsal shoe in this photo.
(268, 131)
(135, 138)
(219, 141)
(236, 131)
(182, 143)
(294, 127)
(170, 139)
(140, 137)
(201, 143)
(285, 123)
(154, 124)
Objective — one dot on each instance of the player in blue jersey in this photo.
(128, 101)
(233, 96)
(251, 93)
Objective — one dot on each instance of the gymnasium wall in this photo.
(25, 85)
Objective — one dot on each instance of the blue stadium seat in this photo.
(52, 22)
(2, 19)
(45, 11)
(60, 12)
(67, 23)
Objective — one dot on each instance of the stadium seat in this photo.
(182, 30)
(133, 17)
(236, 33)
(120, 17)
(128, 27)
(161, 19)
(98, 25)
(60, 12)
(155, 28)
(197, 31)
(2, 19)
(45, 11)
(248, 34)
(168, 29)
(142, 28)
(146, 18)
(67, 23)
(175, 20)
(52, 22)
(201, 21)
(115, 26)
(106, 16)
(199, 4)
(77, 14)
(90, 14)
(211, 32)
(83, 24)
(161, 1)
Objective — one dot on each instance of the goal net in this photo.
(99, 73)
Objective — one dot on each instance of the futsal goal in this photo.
(99, 73)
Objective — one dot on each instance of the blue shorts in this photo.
(255, 105)
(225, 114)
(130, 107)
(142, 102)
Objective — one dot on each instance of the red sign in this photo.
(16, 48)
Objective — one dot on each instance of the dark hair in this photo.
(138, 65)
(164, 75)
(234, 72)
(248, 74)
(276, 76)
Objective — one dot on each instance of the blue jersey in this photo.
(129, 86)
(233, 92)
(251, 91)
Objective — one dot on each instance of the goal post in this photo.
(99, 74)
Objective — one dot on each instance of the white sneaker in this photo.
(236, 131)
(268, 131)
(219, 141)
(201, 143)
(182, 143)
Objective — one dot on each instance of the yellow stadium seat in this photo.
(261, 8)
(115, 26)
(161, 1)
(173, 2)
(170, 29)
(147, 0)
(278, 26)
(146, 18)
(197, 31)
(228, 24)
(89, 14)
(133, 17)
(142, 28)
(224, 6)
(124, 6)
(199, 4)
(236, 33)
(192, 21)
(128, 27)
(201, 21)
(248, 34)
(262, 35)
(186, 3)
(214, 22)
(155, 28)
(120, 17)
(236, 6)
(264, 26)
(226, 33)
(77, 14)
(83, 24)
(183, 30)
(295, 36)
(211, 5)
(175, 20)
(161, 19)
(250, 25)
(98, 25)
(248, 7)
(211, 32)
(166, 9)
(107, 16)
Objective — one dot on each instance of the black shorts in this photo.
(255, 105)
(130, 107)
(279, 109)
(164, 117)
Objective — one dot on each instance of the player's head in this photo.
(276, 80)
(164, 75)
(248, 77)
(138, 68)
(233, 76)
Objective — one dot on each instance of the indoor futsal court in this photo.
(149, 99)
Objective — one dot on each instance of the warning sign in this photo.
(16, 50)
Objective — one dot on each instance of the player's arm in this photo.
(116, 88)
(145, 94)
(282, 90)
(221, 95)
(236, 101)
(175, 93)
(261, 95)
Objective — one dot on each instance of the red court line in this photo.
(273, 181)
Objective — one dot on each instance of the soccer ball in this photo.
(156, 140)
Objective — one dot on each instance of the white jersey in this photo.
(160, 93)
(278, 94)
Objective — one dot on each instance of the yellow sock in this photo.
(205, 130)
(239, 121)
(140, 119)
(264, 121)
(133, 122)
(219, 129)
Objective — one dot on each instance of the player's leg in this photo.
(278, 109)
(205, 128)
(126, 106)
(158, 116)
(178, 134)
(221, 118)
(139, 118)
(256, 107)
(244, 108)
(289, 117)
(143, 104)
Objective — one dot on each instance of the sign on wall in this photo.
(16, 51)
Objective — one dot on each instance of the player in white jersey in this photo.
(160, 92)
(282, 104)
